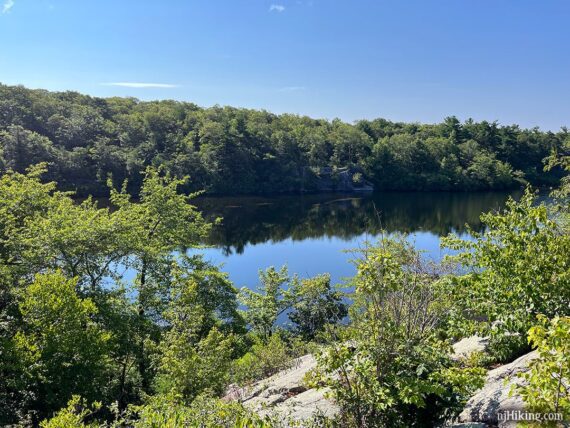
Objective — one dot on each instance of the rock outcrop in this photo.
(494, 397)
(346, 180)
(286, 395)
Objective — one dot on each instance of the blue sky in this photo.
(410, 60)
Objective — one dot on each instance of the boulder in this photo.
(468, 345)
(495, 397)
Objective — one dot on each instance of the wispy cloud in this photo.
(292, 88)
(7, 6)
(276, 8)
(140, 85)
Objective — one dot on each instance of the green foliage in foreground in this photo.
(270, 301)
(548, 388)
(392, 368)
(82, 345)
(312, 303)
(72, 324)
(166, 411)
(163, 411)
(60, 348)
(230, 150)
(517, 269)
(74, 415)
(315, 306)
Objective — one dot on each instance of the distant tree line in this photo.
(226, 150)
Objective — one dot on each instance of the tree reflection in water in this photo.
(253, 220)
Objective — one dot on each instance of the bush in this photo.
(393, 369)
(204, 411)
(190, 369)
(315, 304)
(271, 300)
(357, 178)
(265, 359)
(73, 415)
(516, 269)
(62, 348)
(548, 388)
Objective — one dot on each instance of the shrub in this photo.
(357, 178)
(394, 370)
(73, 415)
(315, 305)
(548, 388)
(63, 349)
(265, 359)
(518, 268)
(270, 301)
(204, 411)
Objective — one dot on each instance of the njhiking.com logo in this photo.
(522, 416)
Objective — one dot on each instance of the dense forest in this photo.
(227, 150)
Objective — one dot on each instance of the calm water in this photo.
(311, 233)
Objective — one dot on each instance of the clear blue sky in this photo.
(410, 60)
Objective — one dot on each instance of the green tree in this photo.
(23, 199)
(488, 172)
(516, 269)
(231, 150)
(161, 222)
(63, 349)
(560, 158)
(194, 354)
(22, 148)
(73, 415)
(197, 283)
(190, 366)
(46, 229)
(271, 300)
(169, 411)
(315, 305)
(43, 229)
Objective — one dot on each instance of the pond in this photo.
(312, 233)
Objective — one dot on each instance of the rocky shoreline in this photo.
(285, 393)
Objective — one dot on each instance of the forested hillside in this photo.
(227, 150)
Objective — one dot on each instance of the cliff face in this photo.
(348, 180)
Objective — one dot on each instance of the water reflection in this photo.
(256, 220)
